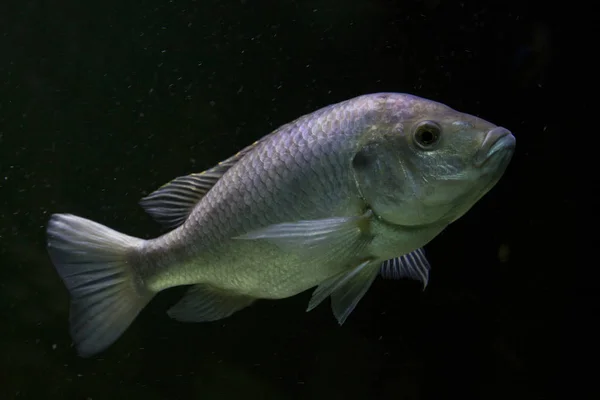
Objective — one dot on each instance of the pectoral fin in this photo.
(318, 241)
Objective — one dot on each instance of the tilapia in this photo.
(330, 200)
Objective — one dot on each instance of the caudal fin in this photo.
(95, 263)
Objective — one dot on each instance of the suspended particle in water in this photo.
(503, 252)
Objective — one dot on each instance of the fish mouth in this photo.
(497, 140)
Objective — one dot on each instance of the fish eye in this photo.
(427, 135)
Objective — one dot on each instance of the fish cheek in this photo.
(379, 183)
(362, 160)
(367, 169)
(367, 161)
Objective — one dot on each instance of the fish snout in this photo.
(498, 139)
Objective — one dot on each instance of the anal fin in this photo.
(203, 303)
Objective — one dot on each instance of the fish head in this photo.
(427, 163)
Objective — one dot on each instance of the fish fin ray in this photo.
(334, 283)
(413, 265)
(347, 295)
(203, 303)
(171, 204)
(318, 241)
(106, 293)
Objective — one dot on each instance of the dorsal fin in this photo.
(173, 202)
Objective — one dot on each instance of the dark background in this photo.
(102, 102)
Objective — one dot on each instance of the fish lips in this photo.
(497, 140)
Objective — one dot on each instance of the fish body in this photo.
(332, 199)
(302, 171)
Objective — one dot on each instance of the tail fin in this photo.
(95, 263)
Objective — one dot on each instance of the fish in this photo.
(329, 202)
